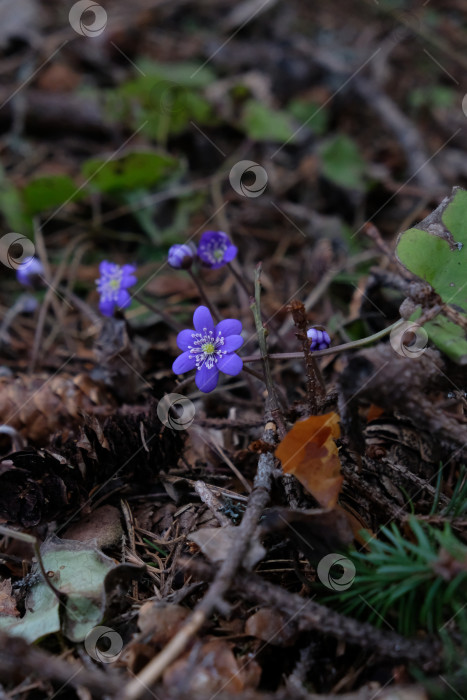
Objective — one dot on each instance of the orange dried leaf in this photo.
(309, 452)
(374, 412)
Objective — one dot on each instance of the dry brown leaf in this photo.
(162, 620)
(102, 526)
(7, 601)
(272, 627)
(216, 669)
(374, 412)
(216, 542)
(309, 452)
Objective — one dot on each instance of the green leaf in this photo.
(448, 337)
(262, 123)
(310, 114)
(166, 99)
(184, 74)
(342, 162)
(436, 251)
(12, 207)
(49, 192)
(79, 570)
(135, 170)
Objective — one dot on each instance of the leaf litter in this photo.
(301, 529)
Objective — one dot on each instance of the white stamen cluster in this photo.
(206, 349)
(214, 250)
(109, 284)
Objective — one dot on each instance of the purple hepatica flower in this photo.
(320, 340)
(215, 249)
(181, 256)
(209, 349)
(28, 271)
(112, 286)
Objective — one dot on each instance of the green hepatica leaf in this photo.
(183, 74)
(436, 249)
(79, 571)
(133, 171)
(448, 337)
(48, 192)
(263, 123)
(342, 162)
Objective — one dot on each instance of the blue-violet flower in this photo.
(26, 272)
(215, 249)
(320, 340)
(209, 348)
(112, 286)
(180, 256)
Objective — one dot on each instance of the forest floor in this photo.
(300, 531)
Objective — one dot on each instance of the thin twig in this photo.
(214, 598)
(330, 351)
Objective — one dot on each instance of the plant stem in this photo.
(272, 403)
(239, 279)
(330, 351)
(204, 296)
(164, 316)
(315, 387)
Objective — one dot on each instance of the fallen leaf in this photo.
(272, 627)
(102, 525)
(216, 542)
(315, 532)
(309, 452)
(162, 620)
(217, 669)
(374, 412)
(78, 570)
(7, 601)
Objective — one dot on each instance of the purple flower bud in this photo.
(320, 340)
(29, 270)
(215, 249)
(180, 256)
(112, 286)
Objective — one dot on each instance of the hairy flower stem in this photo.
(272, 403)
(315, 387)
(330, 351)
(164, 316)
(204, 296)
